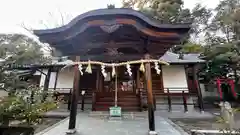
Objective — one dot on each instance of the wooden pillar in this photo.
(148, 79)
(98, 80)
(190, 89)
(138, 81)
(197, 85)
(138, 89)
(74, 99)
(46, 84)
(56, 79)
(47, 79)
(161, 79)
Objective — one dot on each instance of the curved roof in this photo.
(115, 11)
(123, 33)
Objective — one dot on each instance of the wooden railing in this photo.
(184, 93)
(173, 92)
(168, 92)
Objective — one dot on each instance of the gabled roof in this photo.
(187, 58)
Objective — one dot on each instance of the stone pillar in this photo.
(227, 113)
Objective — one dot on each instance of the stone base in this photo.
(71, 131)
(152, 133)
(115, 118)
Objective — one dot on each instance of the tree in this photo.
(172, 11)
(166, 11)
(222, 47)
(20, 50)
(226, 20)
(24, 102)
(191, 48)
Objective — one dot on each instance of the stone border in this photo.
(178, 128)
(51, 127)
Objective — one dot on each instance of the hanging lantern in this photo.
(103, 71)
(80, 68)
(89, 68)
(113, 70)
(142, 68)
(157, 68)
(129, 70)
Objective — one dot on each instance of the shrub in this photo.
(26, 106)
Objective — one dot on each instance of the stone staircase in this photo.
(128, 101)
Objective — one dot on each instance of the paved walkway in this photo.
(101, 126)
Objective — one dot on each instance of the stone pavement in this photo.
(101, 126)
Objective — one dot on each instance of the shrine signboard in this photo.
(115, 111)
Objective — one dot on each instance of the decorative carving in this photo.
(110, 28)
(113, 51)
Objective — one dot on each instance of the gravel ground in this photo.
(188, 124)
(207, 124)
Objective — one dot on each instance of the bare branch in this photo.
(41, 22)
(62, 18)
(30, 30)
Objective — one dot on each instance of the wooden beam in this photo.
(127, 43)
(110, 58)
(148, 79)
(74, 99)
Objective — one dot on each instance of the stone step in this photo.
(86, 106)
(124, 108)
(130, 115)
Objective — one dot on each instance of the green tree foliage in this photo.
(222, 40)
(166, 11)
(191, 48)
(20, 49)
(172, 11)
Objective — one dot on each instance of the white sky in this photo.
(13, 13)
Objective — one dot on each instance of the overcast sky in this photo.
(35, 13)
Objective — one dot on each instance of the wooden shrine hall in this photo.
(115, 36)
